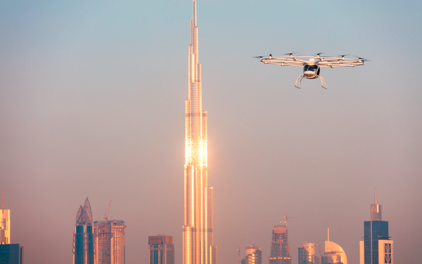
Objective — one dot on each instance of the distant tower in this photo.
(161, 249)
(253, 255)
(306, 254)
(377, 247)
(280, 249)
(109, 240)
(4, 223)
(198, 245)
(83, 247)
(334, 254)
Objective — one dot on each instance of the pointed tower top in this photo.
(2, 200)
(194, 12)
(84, 215)
(375, 209)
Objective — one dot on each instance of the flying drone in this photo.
(312, 64)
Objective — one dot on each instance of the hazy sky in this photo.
(92, 104)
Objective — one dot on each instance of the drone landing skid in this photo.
(300, 78)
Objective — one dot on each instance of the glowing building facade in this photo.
(306, 254)
(5, 226)
(334, 254)
(83, 244)
(4, 223)
(253, 255)
(161, 249)
(377, 247)
(198, 245)
(280, 248)
(109, 237)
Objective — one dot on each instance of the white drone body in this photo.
(312, 64)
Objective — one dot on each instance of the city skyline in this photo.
(91, 104)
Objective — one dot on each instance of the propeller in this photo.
(342, 56)
(362, 59)
(291, 53)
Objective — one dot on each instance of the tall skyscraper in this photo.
(161, 249)
(83, 243)
(4, 223)
(253, 255)
(198, 245)
(377, 247)
(334, 254)
(109, 237)
(306, 254)
(280, 248)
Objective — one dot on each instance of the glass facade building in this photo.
(376, 247)
(280, 248)
(83, 243)
(253, 255)
(306, 254)
(11, 254)
(161, 249)
(109, 239)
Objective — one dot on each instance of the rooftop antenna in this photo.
(375, 195)
(2, 200)
(328, 234)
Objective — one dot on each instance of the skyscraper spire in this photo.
(197, 228)
(376, 195)
(375, 209)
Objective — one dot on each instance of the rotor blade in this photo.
(258, 57)
(291, 53)
(362, 59)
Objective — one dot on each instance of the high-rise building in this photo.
(306, 254)
(253, 255)
(4, 223)
(334, 254)
(198, 245)
(83, 242)
(161, 249)
(11, 254)
(109, 239)
(377, 247)
(280, 248)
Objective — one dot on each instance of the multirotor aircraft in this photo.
(312, 66)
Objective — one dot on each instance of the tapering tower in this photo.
(83, 243)
(197, 228)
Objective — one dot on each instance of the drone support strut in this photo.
(323, 84)
(300, 81)
(300, 78)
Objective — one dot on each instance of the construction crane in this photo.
(287, 220)
(108, 211)
(238, 249)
